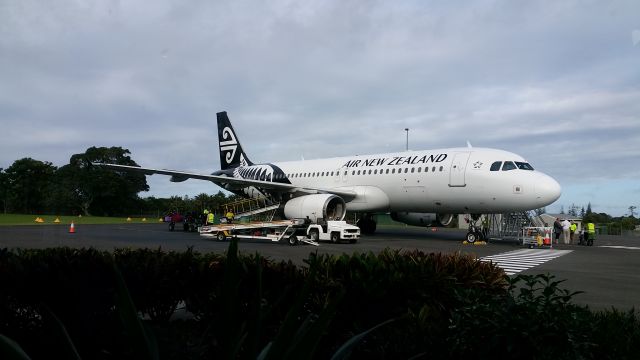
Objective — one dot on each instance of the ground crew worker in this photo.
(205, 216)
(229, 216)
(557, 229)
(210, 218)
(565, 231)
(591, 233)
(572, 230)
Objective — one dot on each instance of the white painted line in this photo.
(513, 262)
(620, 247)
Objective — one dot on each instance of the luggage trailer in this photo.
(292, 231)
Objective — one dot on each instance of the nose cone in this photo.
(547, 190)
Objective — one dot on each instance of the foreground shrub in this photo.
(394, 304)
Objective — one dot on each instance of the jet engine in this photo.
(317, 206)
(422, 219)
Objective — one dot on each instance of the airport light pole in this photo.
(407, 130)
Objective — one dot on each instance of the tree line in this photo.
(615, 224)
(32, 186)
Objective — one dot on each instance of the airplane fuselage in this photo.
(455, 180)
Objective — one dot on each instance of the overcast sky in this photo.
(557, 82)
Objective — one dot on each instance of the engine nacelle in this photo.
(422, 219)
(318, 206)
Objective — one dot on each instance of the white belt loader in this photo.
(290, 231)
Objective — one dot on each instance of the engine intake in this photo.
(317, 206)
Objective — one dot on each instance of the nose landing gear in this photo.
(475, 232)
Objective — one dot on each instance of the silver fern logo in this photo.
(229, 146)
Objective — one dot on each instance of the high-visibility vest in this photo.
(591, 228)
(573, 227)
(211, 218)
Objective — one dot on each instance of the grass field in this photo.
(19, 219)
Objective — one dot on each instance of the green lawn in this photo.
(19, 219)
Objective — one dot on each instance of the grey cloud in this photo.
(322, 78)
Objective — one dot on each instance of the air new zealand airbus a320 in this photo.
(424, 188)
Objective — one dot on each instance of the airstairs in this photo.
(262, 206)
(509, 226)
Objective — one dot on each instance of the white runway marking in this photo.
(620, 247)
(513, 262)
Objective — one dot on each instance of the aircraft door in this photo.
(458, 169)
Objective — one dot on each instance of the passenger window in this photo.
(496, 166)
(426, 169)
(353, 172)
(393, 171)
(375, 172)
(358, 172)
(369, 172)
(441, 168)
(387, 171)
(433, 169)
(508, 165)
(406, 170)
(419, 169)
(413, 170)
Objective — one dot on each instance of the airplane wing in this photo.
(178, 176)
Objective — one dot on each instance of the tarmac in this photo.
(607, 273)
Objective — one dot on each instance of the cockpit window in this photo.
(508, 165)
(496, 166)
(524, 166)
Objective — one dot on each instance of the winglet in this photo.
(231, 153)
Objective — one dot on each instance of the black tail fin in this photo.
(231, 153)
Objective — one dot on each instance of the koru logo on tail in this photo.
(229, 146)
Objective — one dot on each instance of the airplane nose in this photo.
(547, 190)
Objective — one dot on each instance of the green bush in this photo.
(245, 306)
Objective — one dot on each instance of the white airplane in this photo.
(423, 188)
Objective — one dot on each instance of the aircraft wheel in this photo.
(293, 240)
(367, 226)
(335, 237)
(220, 236)
(315, 236)
(472, 237)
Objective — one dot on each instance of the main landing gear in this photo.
(367, 224)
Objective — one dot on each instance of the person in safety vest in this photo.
(210, 218)
(572, 230)
(591, 233)
(205, 216)
(229, 216)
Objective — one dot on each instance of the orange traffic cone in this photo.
(72, 228)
